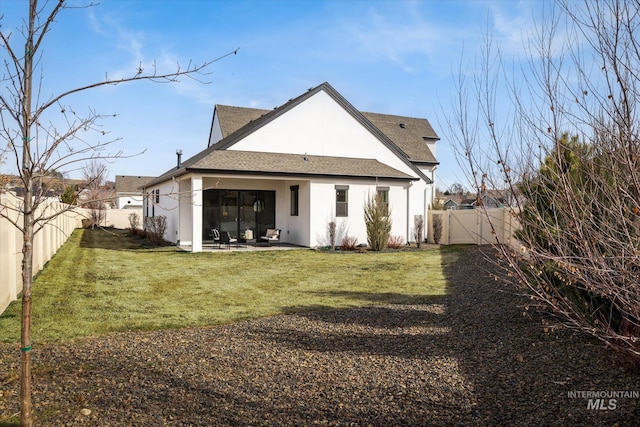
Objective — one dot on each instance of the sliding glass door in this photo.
(238, 211)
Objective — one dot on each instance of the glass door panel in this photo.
(229, 212)
(247, 217)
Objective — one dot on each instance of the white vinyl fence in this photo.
(119, 218)
(45, 244)
(474, 226)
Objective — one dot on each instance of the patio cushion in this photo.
(271, 232)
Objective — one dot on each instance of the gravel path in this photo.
(469, 358)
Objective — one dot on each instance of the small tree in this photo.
(418, 229)
(70, 196)
(378, 222)
(96, 193)
(38, 148)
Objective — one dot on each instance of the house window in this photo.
(294, 199)
(158, 196)
(342, 200)
(383, 195)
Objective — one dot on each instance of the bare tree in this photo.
(96, 193)
(38, 147)
(566, 152)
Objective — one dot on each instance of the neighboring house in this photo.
(129, 191)
(450, 204)
(298, 167)
(489, 200)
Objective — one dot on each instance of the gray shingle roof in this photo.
(284, 163)
(408, 133)
(238, 122)
(233, 118)
(131, 184)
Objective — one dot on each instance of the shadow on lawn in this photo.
(512, 372)
(112, 239)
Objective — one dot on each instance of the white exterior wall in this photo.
(167, 206)
(323, 210)
(319, 126)
(294, 229)
(129, 202)
(183, 213)
(316, 205)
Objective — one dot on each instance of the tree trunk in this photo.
(25, 336)
(26, 418)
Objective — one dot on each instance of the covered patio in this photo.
(242, 247)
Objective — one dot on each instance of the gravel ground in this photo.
(469, 358)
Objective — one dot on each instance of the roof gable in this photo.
(243, 129)
(407, 151)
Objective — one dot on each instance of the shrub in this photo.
(69, 196)
(332, 234)
(378, 222)
(349, 243)
(134, 222)
(155, 227)
(437, 228)
(395, 242)
(418, 229)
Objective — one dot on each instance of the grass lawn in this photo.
(103, 281)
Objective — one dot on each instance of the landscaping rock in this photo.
(468, 358)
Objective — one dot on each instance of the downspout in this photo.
(179, 208)
(429, 204)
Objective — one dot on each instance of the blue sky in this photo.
(384, 56)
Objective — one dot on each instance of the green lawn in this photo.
(104, 281)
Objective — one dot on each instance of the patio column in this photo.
(196, 213)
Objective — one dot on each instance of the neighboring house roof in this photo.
(131, 184)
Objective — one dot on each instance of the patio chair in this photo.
(272, 235)
(226, 239)
(216, 236)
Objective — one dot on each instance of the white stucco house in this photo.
(298, 167)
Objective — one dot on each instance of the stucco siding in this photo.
(323, 210)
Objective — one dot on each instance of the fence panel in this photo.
(475, 226)
(119, 218)
(46, 243)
